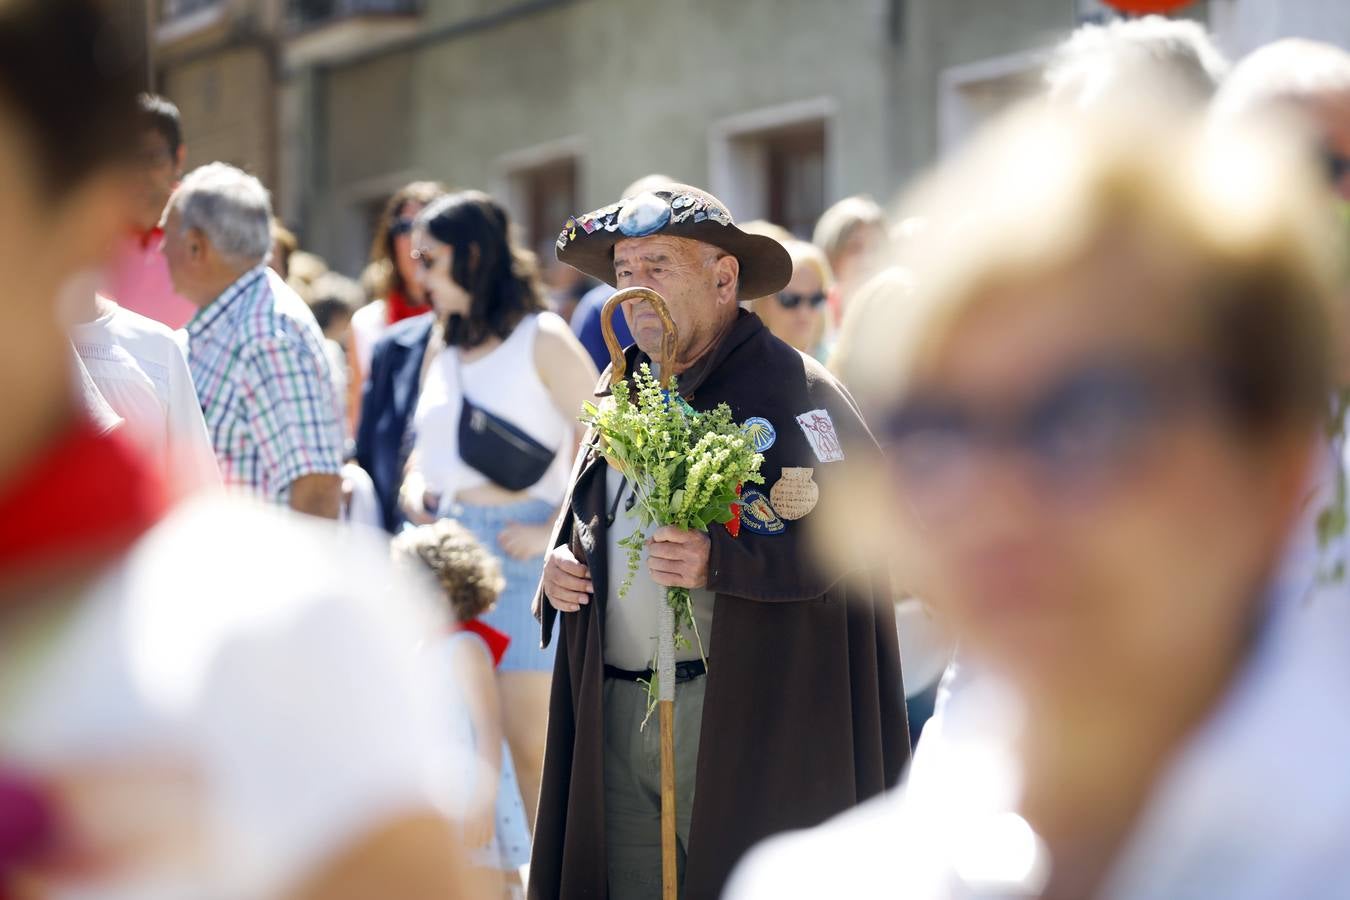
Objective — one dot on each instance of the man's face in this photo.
(159, 169)
(691, 276)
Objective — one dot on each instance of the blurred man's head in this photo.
(67, 98)
(160, 153)
(1307, 79)
(218, 225)
(852, 233)
(1174, 60)
(333, 298)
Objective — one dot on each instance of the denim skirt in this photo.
(512, 615)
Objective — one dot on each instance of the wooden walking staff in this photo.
(665, 616)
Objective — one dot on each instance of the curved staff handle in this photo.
(669, 336)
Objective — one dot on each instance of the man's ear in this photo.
(179, 160)
(197, 244)
(728, 270)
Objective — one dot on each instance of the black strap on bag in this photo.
(508, 456)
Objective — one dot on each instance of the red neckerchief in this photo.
(84, 499)
(398, 307)
(149, 238)
(496, 641)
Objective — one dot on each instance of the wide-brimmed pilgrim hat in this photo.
(679, 210)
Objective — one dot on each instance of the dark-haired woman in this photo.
(495, 430)
(391, 252)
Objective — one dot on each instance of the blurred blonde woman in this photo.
(796, 314)
(1101, 405)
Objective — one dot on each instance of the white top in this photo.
(369, 323)
(241, 698)
(506, 383)
(337, 372)
(140, 368)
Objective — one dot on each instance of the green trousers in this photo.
(633, 784)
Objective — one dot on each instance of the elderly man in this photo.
(800, 711)
(255, 351)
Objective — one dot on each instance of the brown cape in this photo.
(804, 711)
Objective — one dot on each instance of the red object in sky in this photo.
(1143, 7)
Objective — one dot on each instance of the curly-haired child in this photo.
(471, 579)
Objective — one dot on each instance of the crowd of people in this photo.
(1063, 432)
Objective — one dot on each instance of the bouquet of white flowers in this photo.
(686, 467)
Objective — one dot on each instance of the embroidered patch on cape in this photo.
(795, 494)
(760, 432)
(819, 430)
(758, 516)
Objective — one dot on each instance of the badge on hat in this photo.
(819, 430)
(758, 516)
(795, 494)
(643, 215)
(760, 432)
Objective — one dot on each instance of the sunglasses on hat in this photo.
(792, 301)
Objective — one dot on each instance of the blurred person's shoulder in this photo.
(275, 662)
(266, 563)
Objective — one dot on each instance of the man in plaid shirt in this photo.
(255, 351)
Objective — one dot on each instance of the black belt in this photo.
(684, 671)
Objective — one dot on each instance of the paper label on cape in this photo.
(819, 430)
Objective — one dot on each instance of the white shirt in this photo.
(247, 691)
(369, 323)
(140, 369)
(1255, 805)
(88, 398)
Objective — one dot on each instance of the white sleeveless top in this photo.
(506, 384)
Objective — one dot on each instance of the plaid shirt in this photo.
(258, 361)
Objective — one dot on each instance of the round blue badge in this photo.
(760, 432)
(643, 215)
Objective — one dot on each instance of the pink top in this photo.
(138, 279)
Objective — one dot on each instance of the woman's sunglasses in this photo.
(792, 301)
(400, 227)
(1083, 429)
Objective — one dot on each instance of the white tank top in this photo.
(505, 383)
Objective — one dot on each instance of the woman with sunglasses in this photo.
(796, 314)
(1103, 402)
(391, 250)
(495, 431)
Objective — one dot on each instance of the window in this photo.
(546, 195)
(177, 9)
(777, 163)
(795, 186)
(305, 13)
(970, 95)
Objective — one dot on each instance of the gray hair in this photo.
(1175, 58)
(230, 207)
